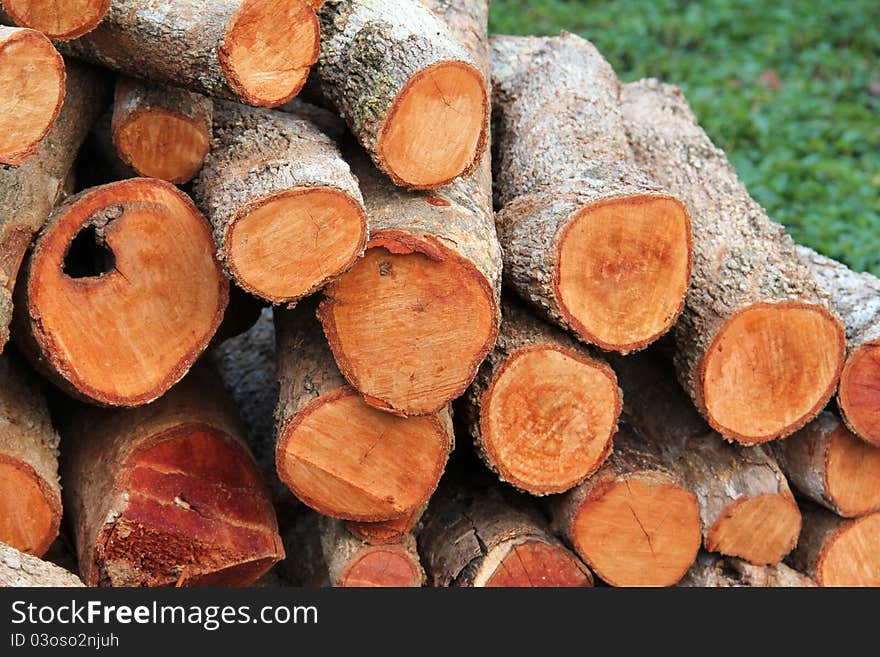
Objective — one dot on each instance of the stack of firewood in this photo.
(191, 435)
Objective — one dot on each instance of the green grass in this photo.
(808, 149)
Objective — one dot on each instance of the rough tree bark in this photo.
(412, 95)
(167, 494)
(59, 21)
(287, 212)
(746, 506)
(28, 192)
(634, 522)
(30, 494)
(758, 350)
(542, 409)
(121, 292)
(828, 464)
(714, 571)
(337, 454)
(20, 569)
(430, 258)
(160, 131)
(256, 51)
(590, 240)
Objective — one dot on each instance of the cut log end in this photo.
(348, 460)
(32, 86)
(852, 474)
(624, 269)
(163, 144)
(852, 556)
(60, 21)
(445, 104)
(638, 532)
(859, 392)
(197, 514)
(795, 350)
(378, 317)
(734, 532)
(29, 513)
(268, 49)
(534, 563)
(126, 269)
(385, 566)
(323, 231)
(548, 419)
(385, 532)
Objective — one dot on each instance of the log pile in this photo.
(387, 337)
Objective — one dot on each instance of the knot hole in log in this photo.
(88, 255)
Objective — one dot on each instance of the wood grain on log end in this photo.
(32, 87)
(734, 532)
(385, 532)
(59, 21)
(382, 566)
(859, 392)
(30, 510)
(533, 563)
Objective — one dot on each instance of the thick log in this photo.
(828, 464)
(287, 213)
(256, 51)
(634, 522)
(121, 292)
(20, 569)
(714, 571)
(167, 494)
(337, 454)
(746, 506)
(411, 322)
(412, 95)
(160, 131)
(59, 21)
(542, 409)
(856, 299)
(838, 552)
(386, 532)
(590, 240)
(757, 348)
(28, 192)
(475, 537)
(30, 494)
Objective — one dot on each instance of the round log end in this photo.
(59, 21)
(638, 532)
(384, 532)
(761, 530)
(852, 474)
(851, 557)
(30, 513)
(624, 266)
(385, 566)
(32, 87)
(126, 269)
(436, 129)
(770, 369)
(268, 49)
(285, 246)
(536, 563)
(548, 417)
(859, 392)
(410, 323)
(348, 460)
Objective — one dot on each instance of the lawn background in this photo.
(790, 89)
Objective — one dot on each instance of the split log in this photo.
(32, 82)
(856, 298)
(20, 569)
(712, 570)
(411, 322)
(478, 538)
(59, 21)
(28, 193)
(337, 454)
(542, 409)
(287, 213)
(30, 494)
(757, 348)
(829, 465)
(838, 552)
(161, 132)
(415, 99)
(167, 494)
(121, 292)
(324, 553)
(634, 522)
(386, 532)
(589, 240)
(256, 51)
(746, 506)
